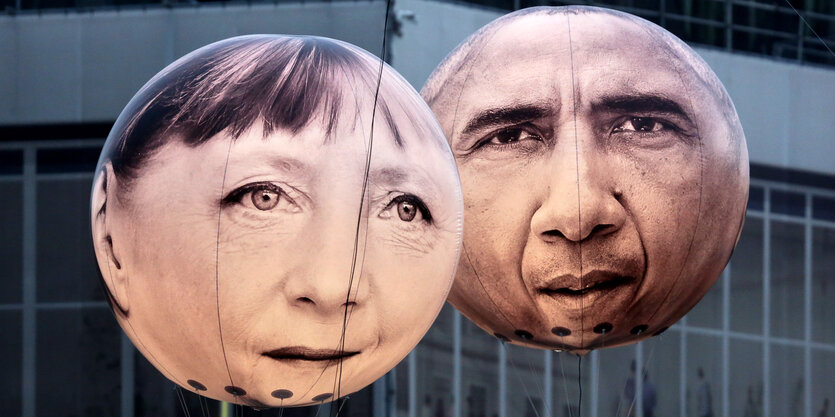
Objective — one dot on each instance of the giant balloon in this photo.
(604, 172)
(273, 228)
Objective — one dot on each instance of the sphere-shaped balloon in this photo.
(604, 172)
(271, 230)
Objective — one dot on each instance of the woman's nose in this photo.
(329, 277)
(582, 200)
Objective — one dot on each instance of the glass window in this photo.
(704, 375)
(11, 352)
(823, 286)
(434, 356)
(786, 394)
(747, 279)
(823, 208)
(755, 198)
(823, 392)
(746, 378)
(616, 380)
(78, 356)
(708, 312)
(662, 356)
(66, 160)
(67, 268)
(524, 381)
(569, 374)
(783, 202)
(480, 372)
(11, 245)
(787, 286)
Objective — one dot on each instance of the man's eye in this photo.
(263, 196)
(408, 208)
(640, 124)
(511, 135)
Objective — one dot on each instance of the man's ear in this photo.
(106, 244)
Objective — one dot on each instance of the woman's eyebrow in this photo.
(503, 116)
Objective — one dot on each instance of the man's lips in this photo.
(303, 353)
(591, 282)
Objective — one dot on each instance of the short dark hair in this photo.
(285, 81)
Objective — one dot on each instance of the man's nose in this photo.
(323, 283)
(582, 200)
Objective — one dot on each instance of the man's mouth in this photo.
(591, 283)
(303, 353)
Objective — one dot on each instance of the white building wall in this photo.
(787, 110)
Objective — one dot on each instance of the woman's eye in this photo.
(263, 196)
(409, 207)
(265, 199)
(640, 124)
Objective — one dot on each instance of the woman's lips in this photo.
(303, 353)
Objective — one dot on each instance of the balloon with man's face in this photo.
(604, 172)
(271, 230)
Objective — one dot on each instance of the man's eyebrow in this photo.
(638, 103)
(501, 116)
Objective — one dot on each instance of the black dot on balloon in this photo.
(561, 331)
(661, 330)
(501, 337)
(282, 394)
(639, 329)
(524, 334)
(322, 397)
(196, 385)
(603, 328)
(236, 391)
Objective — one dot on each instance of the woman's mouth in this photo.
(303, 353)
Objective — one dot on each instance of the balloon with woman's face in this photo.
(604, 172)
(268, 232)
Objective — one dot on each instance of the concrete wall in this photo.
(787, 110)
(59, 68)
(82, 67)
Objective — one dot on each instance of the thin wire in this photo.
(519, 377)
(362, 203)
(217, 262)
(565, 384)
(203, 406)
(577, 166)
(803, 19)
(182, 400)
(580, 385)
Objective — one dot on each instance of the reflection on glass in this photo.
(479, 372)
(616, 380)
(524, 379)
(11, 351)
(747, 279)
(434, 375)
(708, 313)
(78, 370)
(787, 292)
(704, 375)
(566, 382)
(823, 285)
(67, 269)
(662, 356)
(746, 378)
(786, 396)
(823, 383)
(11, 249)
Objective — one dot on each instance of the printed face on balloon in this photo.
(604, 175)
(282, 265)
